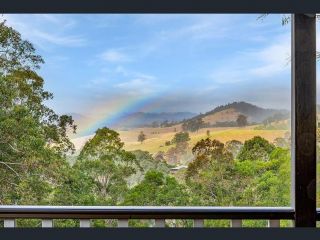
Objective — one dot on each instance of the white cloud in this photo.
(58, 19)
(274, 59)
(201, 30)
(122, 78)
(99, 81)
(114, 55)
(253, 64)
(133, 84)
(197, 26)
(140, 85)
(194, 28)
(69, 41)
(37, 28)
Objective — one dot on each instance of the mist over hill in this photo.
(254, 113)
(146, 119)
(223, 115)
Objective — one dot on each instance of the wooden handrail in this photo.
(130, 212)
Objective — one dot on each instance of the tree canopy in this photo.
(256, 148)
(156, 189)
(33, 139)
(104, 160)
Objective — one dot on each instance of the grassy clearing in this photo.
(156, 137)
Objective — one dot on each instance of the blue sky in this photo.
(159, 62)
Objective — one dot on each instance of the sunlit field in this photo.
(156, 138)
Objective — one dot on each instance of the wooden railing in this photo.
(85, 214)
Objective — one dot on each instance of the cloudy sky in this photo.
(99, 64)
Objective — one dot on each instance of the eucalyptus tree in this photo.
(33, 138)
(108, 165)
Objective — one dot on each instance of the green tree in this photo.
(242, 120)
(76, 188)
(176, 153)
(33, 138)
(157, 189)
(267, 183)
(213, 175)
(180, 137)
(234, 146)
(147, 163)
(207, 152)
(208, 133)
(210, 175)
(193, 125)
(104, 160)
(172, 156)
(141, 137)
(256, 148)
(281, 142)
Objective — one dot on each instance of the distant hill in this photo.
(138, 119)
(224, 115)
(229, 113)
(144, 119)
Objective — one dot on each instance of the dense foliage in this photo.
(194, 124)
(33, 139)
(255, 149)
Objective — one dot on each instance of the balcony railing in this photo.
(85, 214)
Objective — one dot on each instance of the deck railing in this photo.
(47, 214)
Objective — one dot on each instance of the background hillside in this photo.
(231, 111)
(144, 119)
(261, 122)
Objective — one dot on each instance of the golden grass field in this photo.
(156, 137)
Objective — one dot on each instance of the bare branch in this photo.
(14, 149)
(11, 163)
(8, 166)
(262, 16)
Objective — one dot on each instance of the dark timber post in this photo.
(304, 119)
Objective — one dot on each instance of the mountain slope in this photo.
(143, 119)
(231, 111)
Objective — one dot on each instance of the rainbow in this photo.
(109, 113)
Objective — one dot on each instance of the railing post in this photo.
(159, 222)
(304, 119)
(47, 223)
(236, 223)
(274, 223)
(9, 223)
(123, 222)
(198, 223)
(85, 223)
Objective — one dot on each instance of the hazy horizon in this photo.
(190, 111)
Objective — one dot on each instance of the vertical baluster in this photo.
(9, 223)
(123, 223)
(47, 223)
(198, 223)
(292, 223)
(159, 222)
(274, 223)
(236, 223)
(84, 223)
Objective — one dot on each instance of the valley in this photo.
(219, 124)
